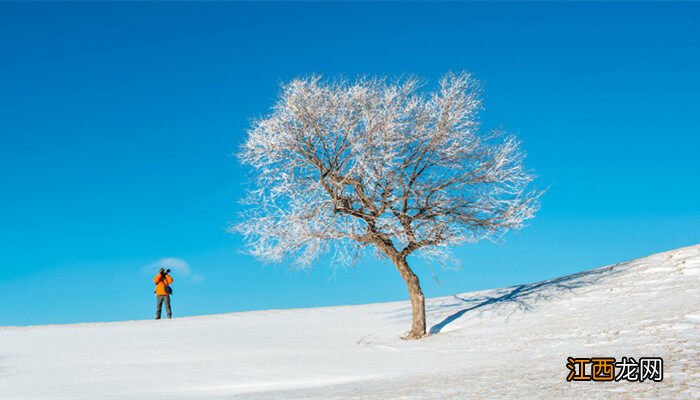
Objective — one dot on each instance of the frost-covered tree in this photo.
(342, 167)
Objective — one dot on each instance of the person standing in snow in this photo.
(163, 291)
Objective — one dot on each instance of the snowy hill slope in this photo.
(501, 343)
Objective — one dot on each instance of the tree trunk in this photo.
(417, 299)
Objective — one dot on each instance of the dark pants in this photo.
(159, 305)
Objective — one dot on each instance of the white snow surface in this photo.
(501, 343)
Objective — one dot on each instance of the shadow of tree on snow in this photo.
(523, 297)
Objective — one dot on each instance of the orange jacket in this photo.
(161, 283)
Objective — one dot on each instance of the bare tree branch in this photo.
(342, 165)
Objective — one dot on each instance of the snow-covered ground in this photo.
(501, 343)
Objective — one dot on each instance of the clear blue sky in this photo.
(118, 121)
